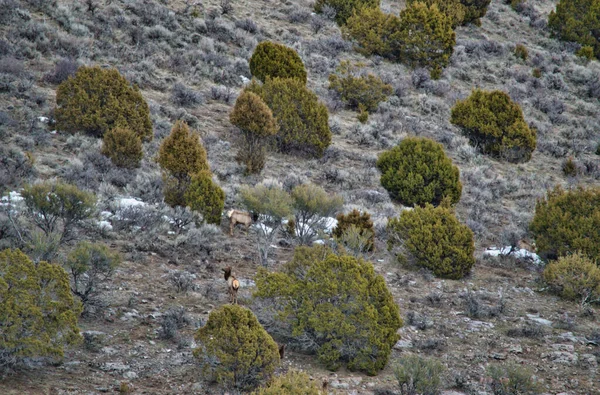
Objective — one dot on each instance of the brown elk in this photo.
(238, 217)
(232, 283)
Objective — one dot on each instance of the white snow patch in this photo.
(106, 215)
(244, 79)
(520, 253)
(13, 197)
(130, 202)
(105, 225)
(320, 242)
(43, 119)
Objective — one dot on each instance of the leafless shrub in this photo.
(431, 344)
(184, 96)
(419, 321)
(205, 238)
(173, 320)
(317, 23)
(222, 93)
(330, 46)
(226, 7)
(434, 298)
(182, 280)
(298, 15)
(12, 66)
(64, 69)
(482, 306)
(247, 24)
(420, 77)
(529, 329)
(15, 167)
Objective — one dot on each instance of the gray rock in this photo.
(114, 367)
(539, 320)
(563, 347)
(130, 375)
(563, 357)
(340, 385)
(589, 361)
(403, 344)
(516, 349)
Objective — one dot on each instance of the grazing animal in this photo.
(281, 350)
(238, 217)
(232, 283)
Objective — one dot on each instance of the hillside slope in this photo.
(160, 44)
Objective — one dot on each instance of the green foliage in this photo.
(566, 222)
(38, 315)
(419, 375)
(512, 379)
(274, 204)
(569, 168)
(123, 147)
(453, 9)
(363, 92)
(417, 171)
(97, 100)
(206, 197)
(273, 60)
(56, 208)
(345, 8)
(586, 52)
(578, 21)
(291, 383)
(234, 349)
(536, 72)
(474, 10)
(363, 224)
(91, 266)
(492, 121)
(181, 155)
(521, 52)
(421, 37)
(574, 277)
(257, 124)
(312, 205)
(334, 306)
(432, 237)
(303, 121)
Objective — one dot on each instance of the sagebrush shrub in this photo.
(362, 221)
(432, 237)
(257, 125)
(360, 92)
(235, 350)
(417, 171)
(291, 383)
(123, 147)
(38, 315)
(276, 61)
(512, 379)
(90, 266)
(96, 100)
(312, 206)
(302, 119)
(344, 8)
(181, 155)
(334, 306)
(57, 208)
(493, 122)
(419, 375)
(566, 222)
(576, 20)
(421, 36)
(206, 197)
(574, 277)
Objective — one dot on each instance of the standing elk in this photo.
(232, 283)
(238, 217)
